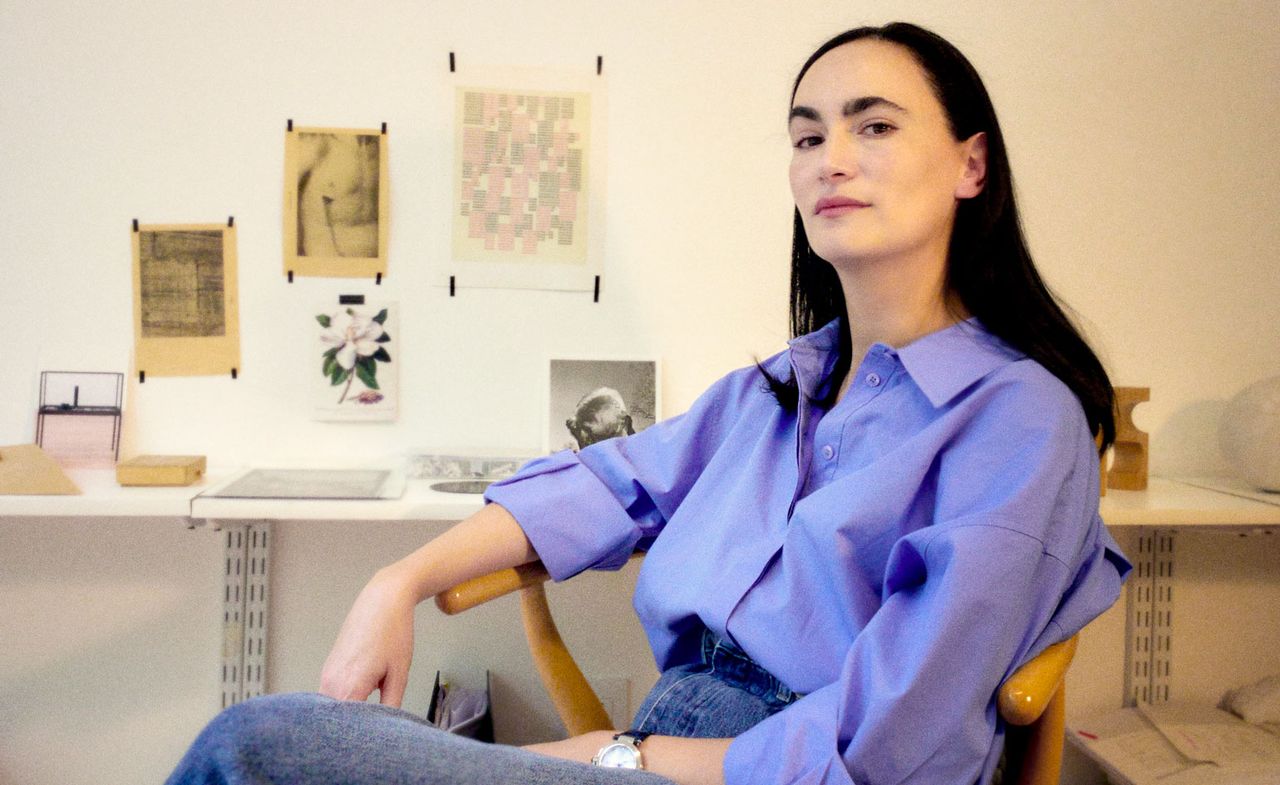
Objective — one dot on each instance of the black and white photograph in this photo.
(590, 401)
(336, 199)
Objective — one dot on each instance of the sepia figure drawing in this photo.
(181, 284)
(337, 190)
(522, 188)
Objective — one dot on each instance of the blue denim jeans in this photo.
(721, 696)
(313, 740)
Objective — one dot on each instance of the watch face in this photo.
(617, 756)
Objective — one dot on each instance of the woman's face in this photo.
(875, 171)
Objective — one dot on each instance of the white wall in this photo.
(1144, 139)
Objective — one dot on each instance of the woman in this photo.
(856, 540)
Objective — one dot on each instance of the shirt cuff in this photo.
(785, 748)
(572, 519)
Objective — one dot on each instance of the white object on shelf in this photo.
(1258, 703)
(1249, 434)
(312, 484)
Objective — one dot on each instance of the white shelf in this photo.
(419, 503)
(1195, 502)
(101, 497)
(1176, 503)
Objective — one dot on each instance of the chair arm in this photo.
(577, 704)
(1024, 695)
(478, 591)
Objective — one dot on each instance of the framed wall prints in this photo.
(337, 202)
(528, 181)
(356, 355)
(186, 318)
(592, 400)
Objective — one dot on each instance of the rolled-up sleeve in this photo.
(590, 509)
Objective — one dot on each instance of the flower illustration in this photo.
(356, 344)
(369, 397)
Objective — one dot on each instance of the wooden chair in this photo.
(1032, 701)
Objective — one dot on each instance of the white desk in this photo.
(418, 503)
(1167, 503)
(1166, 507)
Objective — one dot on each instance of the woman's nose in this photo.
(838, 160)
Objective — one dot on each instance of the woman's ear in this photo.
(974, 176)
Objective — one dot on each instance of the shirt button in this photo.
(873, 380)
(828, 452)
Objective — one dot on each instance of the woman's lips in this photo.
(837, 205)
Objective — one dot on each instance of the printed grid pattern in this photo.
(522, 184)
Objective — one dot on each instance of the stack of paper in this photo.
(1179, 744)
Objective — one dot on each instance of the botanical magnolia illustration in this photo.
(356, 344)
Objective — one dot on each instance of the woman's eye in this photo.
(807, 141)
(876, 129)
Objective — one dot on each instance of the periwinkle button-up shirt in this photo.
(892, 559)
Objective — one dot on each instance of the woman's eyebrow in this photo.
(853, 106)
(805, 112)
(859, 105)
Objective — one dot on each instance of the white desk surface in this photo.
(1169, 502)
(101, 497)
(418, 503)
(1165, 503)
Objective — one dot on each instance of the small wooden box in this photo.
(160, 470)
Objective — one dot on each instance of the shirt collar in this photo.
(942, 363)
(946, 362)
(813, 357)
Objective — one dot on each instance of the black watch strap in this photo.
(636, 736)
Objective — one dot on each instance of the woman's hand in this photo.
(375, 645)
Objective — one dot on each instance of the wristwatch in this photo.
(622, 753)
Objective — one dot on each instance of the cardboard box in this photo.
(160, 470)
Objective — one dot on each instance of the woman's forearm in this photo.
(683, 761)
(487, 541)
(374, 648)
(686, 761)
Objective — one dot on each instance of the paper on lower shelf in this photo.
(1203, 733)
(1178, 745)
(1128, 747)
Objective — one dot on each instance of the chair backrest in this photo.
(1032, 701)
